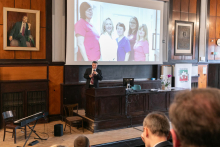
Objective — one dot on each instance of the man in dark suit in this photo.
(195, 118)
(92, 75)
(21, 32)
(156, 130)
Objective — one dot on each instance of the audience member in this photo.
(81, 141)
(156, 130)
(195, 118)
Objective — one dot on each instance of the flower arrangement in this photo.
(165, 80)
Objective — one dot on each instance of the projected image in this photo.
(111, 32)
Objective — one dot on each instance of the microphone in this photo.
(94, 70)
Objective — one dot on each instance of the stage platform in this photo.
(126, 137)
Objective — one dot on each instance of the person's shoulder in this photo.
(18, 22)
(146, 42)
(88, 68)
(164, 144)
(80, 22)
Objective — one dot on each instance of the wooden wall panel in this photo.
(218, 8)
(42, 53)
(184, 16)
(184, 10)
(4, 54)
(176, 5)
(217, 27)
(212, 27)
(40, 5)
(192, 6)
(176, 16)
(184, 6)
(56, 78)
(23, 73)
(5, 3)
(211, 48)
(23, 4)
(213, 7)
(202, 80)
(22, 55)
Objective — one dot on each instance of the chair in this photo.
(8, 119)
(69, 118)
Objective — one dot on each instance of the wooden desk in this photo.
(111, 107)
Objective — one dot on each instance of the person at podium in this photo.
(93, 75)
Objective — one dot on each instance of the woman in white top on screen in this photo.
(108, 45)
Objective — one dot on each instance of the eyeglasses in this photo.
(132, 22)
(89, 10)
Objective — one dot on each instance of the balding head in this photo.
(81, 141)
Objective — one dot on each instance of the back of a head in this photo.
(195, 116)
(158, 124)
(81, 141)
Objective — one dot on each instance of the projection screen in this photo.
(114, 32)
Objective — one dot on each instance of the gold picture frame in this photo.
(21, 29)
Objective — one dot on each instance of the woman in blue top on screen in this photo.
(124, 47)
(108, 45)
(86, 35)
(132, 33)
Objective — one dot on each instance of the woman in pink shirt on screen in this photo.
(86, 35)
(141, 47)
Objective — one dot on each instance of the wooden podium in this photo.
(111, 107)
(105, 103)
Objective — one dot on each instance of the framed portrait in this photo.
(21, 29)
(183, 41)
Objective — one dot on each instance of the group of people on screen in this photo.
(94, 47)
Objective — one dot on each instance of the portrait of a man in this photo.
(20, 34)
(21, 29)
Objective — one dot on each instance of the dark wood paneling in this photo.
(157, 102)
(192, 6)
(42, 53)
(5, 3)
(113, 103)
(107, 111)
(212, 27)
(184, 6)
(137, 104)
(211, 48)
(176, 5)
(71, 73)
(4, 54)
(40, 5)
(213, 7)
(184, 16)
(213, 76)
